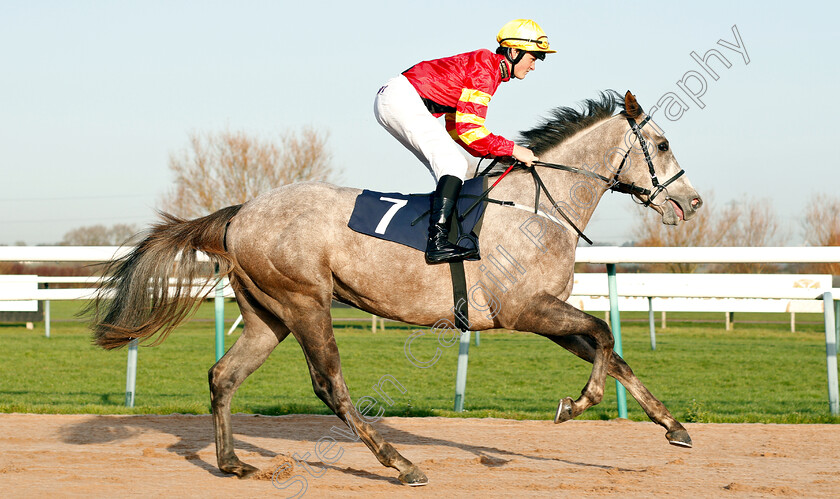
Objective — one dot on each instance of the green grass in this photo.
(759, 372)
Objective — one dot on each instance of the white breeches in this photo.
(399, 108)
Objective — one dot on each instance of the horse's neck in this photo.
(577, 194)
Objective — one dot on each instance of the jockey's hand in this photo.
(524, 155)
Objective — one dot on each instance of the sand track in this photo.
(156, 456)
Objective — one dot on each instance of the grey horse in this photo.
(289, 253)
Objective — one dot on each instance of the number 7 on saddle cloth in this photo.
(404, 218)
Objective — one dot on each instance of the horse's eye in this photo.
(663, 146)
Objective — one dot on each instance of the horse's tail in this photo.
(136, 300)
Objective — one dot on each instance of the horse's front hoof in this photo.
(414, 477)
(679, 438)
(564, 411)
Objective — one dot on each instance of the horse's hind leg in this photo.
(554, 318)
(584, 348)
(262, 333)
(315, 335)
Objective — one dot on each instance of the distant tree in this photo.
(821, 227)
(99, 235)
(227, 168)
(747, 222)
(757, 225)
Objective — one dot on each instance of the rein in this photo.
(613, 184)
(542, 186)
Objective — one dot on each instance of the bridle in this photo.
(613, 184)
(657, 187)
(616, 185)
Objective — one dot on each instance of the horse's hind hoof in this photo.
(247, 472)
(414, 477)
(564, 411)
(679, 438)
(240, 469)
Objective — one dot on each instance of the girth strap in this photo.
(459, 295)
(459, 278)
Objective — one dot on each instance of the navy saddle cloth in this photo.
(389, 215)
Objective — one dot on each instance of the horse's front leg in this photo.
(554, 318)
(585, 348)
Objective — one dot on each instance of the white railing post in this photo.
(461, 374)
(219, 313)
(131, 374)
(47, 313)
(652, 322)
(831, 353)
(836, 322)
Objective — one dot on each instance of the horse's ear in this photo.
(631, 107)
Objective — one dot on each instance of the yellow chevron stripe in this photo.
(474, 134)
(469, 118)
(475, 96)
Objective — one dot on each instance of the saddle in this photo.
(404, 219)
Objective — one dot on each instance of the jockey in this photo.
(459, 87)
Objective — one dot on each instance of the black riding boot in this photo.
(439, 249)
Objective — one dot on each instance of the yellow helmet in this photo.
(524, 34)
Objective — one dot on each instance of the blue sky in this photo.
(95, 96)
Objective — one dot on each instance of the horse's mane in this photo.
(563, 123)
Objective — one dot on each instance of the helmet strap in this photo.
(513, 62)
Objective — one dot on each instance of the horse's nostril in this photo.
(696, 203)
